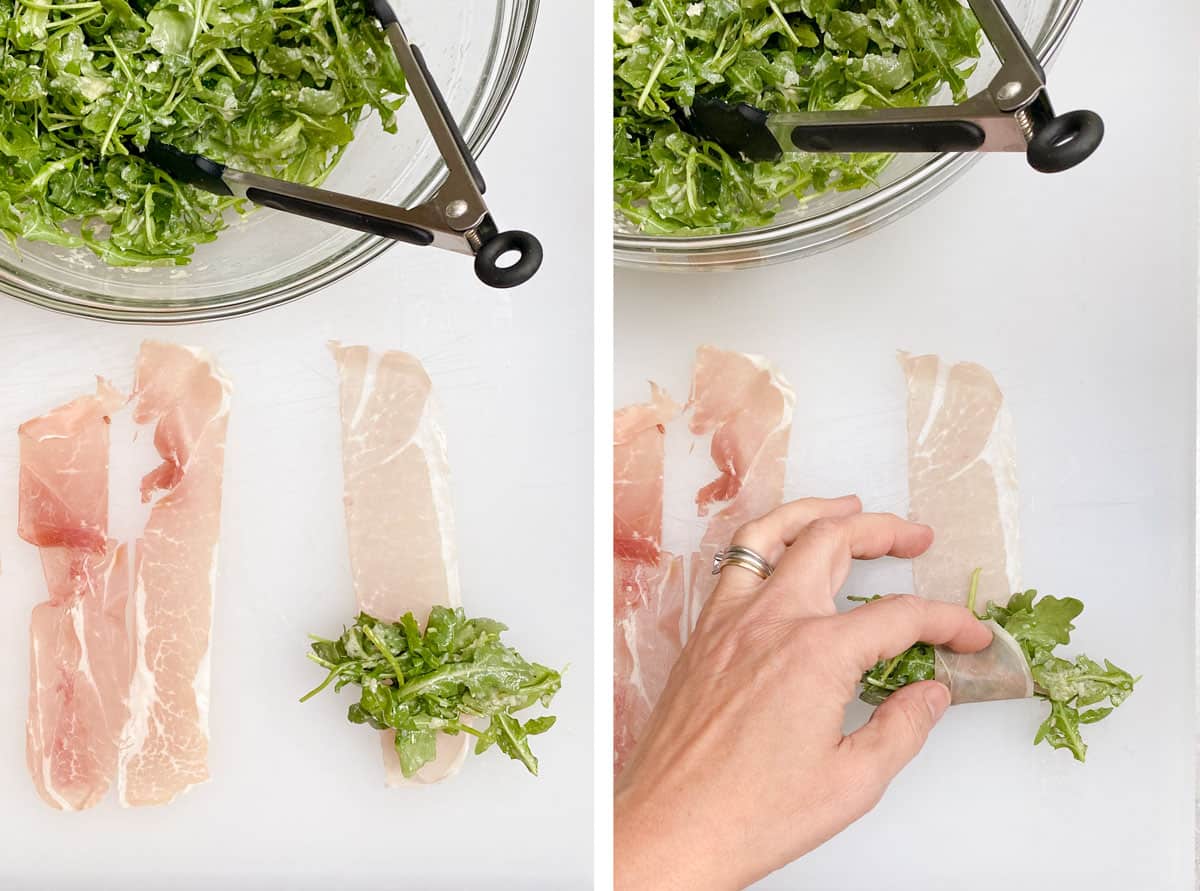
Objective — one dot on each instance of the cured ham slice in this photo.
(119, 654)
(164, 750)
(962, 479)
(648, 583)
(79, 643)
(64, 473)
(638, 441)
(747, 406)
(399, 515)
(648, 639)
(79, 676)
(1000, 671)
(963, 482)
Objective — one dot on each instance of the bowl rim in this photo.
(830, 228)
(510, 66)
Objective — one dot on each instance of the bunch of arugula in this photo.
(778, 55)
(1039, 625)
(422, 684)
(270, 87)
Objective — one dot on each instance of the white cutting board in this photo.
(297, 799)
(1078, 292)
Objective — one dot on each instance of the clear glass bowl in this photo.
(829, 219)
(476, 52)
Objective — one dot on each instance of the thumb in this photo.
(898, 729)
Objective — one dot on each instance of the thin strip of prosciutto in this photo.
(648, 583)
(999, 671)
(747, 406)
(648, 638)
(399, 511)
(639, 432)
(164, 749)
(962, 478)
(79, 643)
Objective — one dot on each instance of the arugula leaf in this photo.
(1039, 625)
(779, 55)
(914, 664)
(273, 88)
(420, 684)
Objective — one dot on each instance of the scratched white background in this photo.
(1079, 292)
(296, 799)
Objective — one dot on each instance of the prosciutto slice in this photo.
(165, 746)
(648, 583)
(79, 644)
(638, 441)
(119, 653)
(1000, 671)
(64, 474)
(963, 482)
(962, 479)
(648, 638)
(399, 515)
(747, 406)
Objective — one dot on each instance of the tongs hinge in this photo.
(457, 215)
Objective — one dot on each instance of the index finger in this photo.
(773, 533)
(887, 627)
(814, 568)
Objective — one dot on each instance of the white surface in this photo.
(1078, 291)
(297, 797)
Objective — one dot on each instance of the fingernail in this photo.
(937, 698)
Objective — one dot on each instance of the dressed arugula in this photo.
(1075, 689)
(269, 87)
(420, 684)
(778, 55)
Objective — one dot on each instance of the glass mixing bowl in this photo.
(826, 220)
(476, 52)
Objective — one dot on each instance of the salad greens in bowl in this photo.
(304, 90)
(681, 202)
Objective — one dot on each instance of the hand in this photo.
(744, 766)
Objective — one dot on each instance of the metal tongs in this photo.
(456, 218)
(1013, 114)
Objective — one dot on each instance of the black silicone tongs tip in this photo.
(195, 170)
(383, 11)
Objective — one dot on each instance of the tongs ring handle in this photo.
(529, 259)
(1065, 141)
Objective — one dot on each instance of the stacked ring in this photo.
(736, 555)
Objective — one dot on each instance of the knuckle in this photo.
(823, 644)
(826, 527)
(750, 531)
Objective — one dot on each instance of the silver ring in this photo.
(736, 555)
